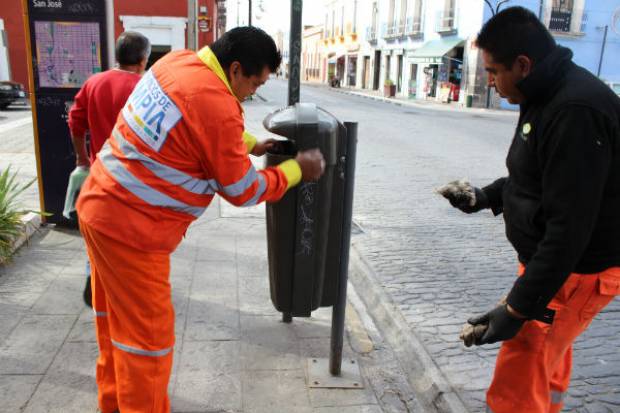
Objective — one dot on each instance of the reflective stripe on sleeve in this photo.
(171, 175)
(141, 352)
(100, 313)
(262, 185)
(132, 184)
(241, 185)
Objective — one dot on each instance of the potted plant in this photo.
(389, 88)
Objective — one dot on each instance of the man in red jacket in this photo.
(99, 102)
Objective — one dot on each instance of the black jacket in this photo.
(561, 200)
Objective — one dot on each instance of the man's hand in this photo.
(262, 147)
(463, 196)
(311, 163)
(502, 324)
(82, 161)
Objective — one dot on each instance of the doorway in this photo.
(157, 52)
(399, 76)
(377, 74)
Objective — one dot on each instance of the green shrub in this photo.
(11, 225)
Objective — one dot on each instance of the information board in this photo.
(67, 53)
(67, 43)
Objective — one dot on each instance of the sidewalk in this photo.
(417, 103)
(232, 354)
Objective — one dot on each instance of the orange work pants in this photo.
(532, 370)
(135, 325)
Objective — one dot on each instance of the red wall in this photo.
(12, 14)
(170, 8)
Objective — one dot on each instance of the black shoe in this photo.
(88, 293)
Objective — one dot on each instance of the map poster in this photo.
(67, 53)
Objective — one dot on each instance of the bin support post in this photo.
(340, 376)
(338, 313)
(287, 317)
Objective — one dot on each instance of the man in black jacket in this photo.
(561, 206)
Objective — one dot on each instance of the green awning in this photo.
(433, 51)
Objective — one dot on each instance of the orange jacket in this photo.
(179, 141)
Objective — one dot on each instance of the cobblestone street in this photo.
(439, 265)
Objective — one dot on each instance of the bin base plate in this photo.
(320, 377)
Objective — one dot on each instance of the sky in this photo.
(275, 14)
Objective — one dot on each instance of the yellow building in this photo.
(312, 54)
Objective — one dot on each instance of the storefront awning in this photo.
(335, 57)
(433, 51)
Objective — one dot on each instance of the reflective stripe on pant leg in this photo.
(141, 323)
(105, 374)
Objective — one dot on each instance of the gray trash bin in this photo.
(304, 228)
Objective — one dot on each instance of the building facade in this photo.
(164, 22)
(311, 54)
(425, 49)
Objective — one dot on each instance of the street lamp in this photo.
(600, 61)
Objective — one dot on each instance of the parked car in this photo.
(10, 92)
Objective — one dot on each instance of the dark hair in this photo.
(132, 48)
(513, 32)
(251, 47)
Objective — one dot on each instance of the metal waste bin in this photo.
(304, 228)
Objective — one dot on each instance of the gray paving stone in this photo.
(209, 377)
(371, 408)
(63, 296)
(33, 344)
(269, 344)
(16, 390)
(69, 385)
(275, 391)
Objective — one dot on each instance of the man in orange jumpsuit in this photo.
(561, 207)
(99, 102)
(178, 141)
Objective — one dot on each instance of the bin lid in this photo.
(304, 123)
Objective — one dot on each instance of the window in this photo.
(561, 15)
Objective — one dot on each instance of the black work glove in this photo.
(501, 325)
(465, 197)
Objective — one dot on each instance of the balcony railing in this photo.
(390, 30)
(371, 34)
(413, 26)
(560, 20)
(446, 21)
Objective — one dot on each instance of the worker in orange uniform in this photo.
(178, 141)
(99, 101)
(561, 207)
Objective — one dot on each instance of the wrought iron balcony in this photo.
(413, 26)
(446, 22)
(371, 34)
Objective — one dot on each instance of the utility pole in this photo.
(600, 61)
(249, 12)
(294, 52)
(192, 15)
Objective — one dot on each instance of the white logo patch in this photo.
(150, 112)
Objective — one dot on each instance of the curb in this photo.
(424, 376)
(31, 222)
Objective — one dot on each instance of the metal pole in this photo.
(109, 21)
(249, 12)
(540, 10)
(600, 61)
(192, 14)
(335, 354)
(293, 75)
(294, 52)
